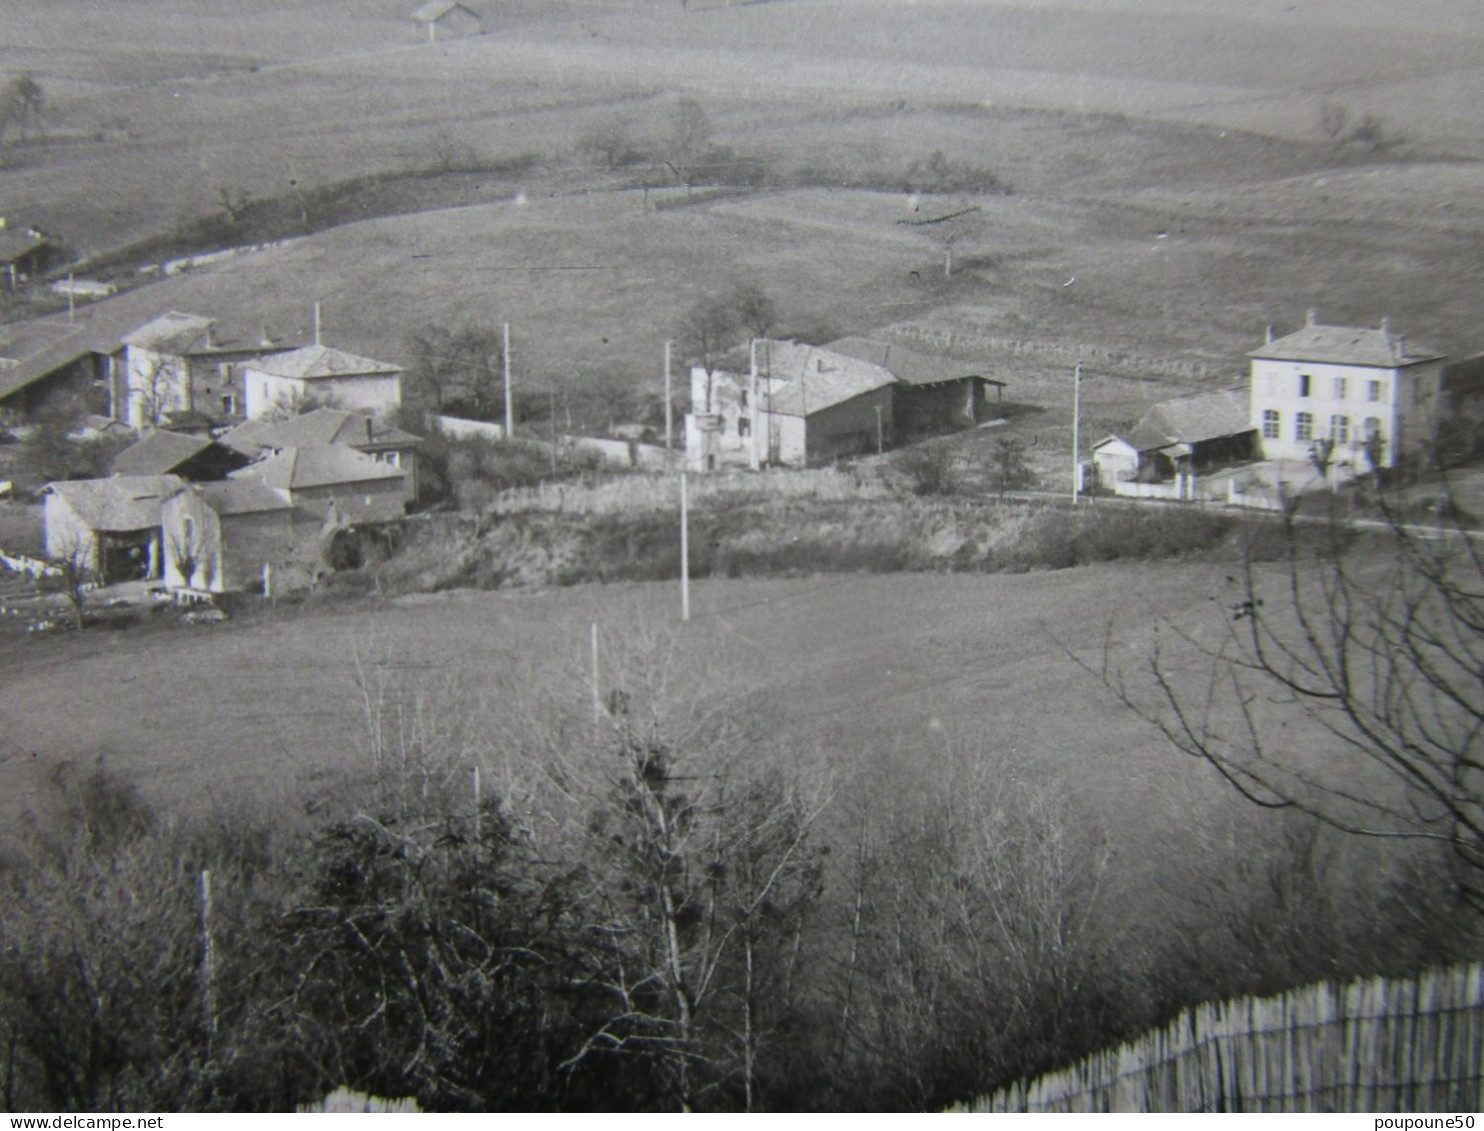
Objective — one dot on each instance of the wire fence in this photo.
(1375, 1044)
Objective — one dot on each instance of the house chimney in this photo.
(1312, 318)
(263, 338)
(1270, 333)
(1386, 325)
(316, 323)
(1401, 346)
(370, 431)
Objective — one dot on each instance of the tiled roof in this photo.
(295, 469)
(908, 365)
(98, 330)
(816, 378)
(311, 362)
(317, 428)
(123, 503)
(14, 244)
(172, 333)
(159, 453)
(242, 496)
(1192, 420)
(1345, 345)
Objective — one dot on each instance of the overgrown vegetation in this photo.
(616, 891)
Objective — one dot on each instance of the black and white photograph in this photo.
(715, 556)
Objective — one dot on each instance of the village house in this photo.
(323, 426)
(233, 534)
(280, 384)
(109, 527)
(358, 487)
(1178, 439)
(1366, 391)
(183, 363)
(447, 19)
(194, 458)
(790, 405)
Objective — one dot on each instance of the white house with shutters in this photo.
(1367, 390)
(284, 383)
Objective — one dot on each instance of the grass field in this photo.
(880, 679)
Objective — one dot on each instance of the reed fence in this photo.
(1375, 1044)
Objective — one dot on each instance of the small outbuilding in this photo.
(448, 19)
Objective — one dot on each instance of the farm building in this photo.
(25, 253)
(791, 404)
(1177, 438)
(110, 526)
(324, 426)
(933, 394)
(196, 458)
(49, 361)
(359, 487)
(1366, 390)
(220, 536)
(186, 363)
(279, 384)
(448, 19)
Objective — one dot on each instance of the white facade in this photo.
(267, 393)
(728, 427)
(154, 384)
(1346, 385)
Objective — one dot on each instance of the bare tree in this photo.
(1367, 643)
(690, 135)
(708, 328)
(73, 573)
(755, 310)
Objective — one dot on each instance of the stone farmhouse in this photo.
(791, 405)
(322, 427)
(280, 383)
(183, 363)
(1364, 390)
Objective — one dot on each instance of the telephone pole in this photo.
(669, 409)
(684, 553)
(505, 358)
(1076, 426)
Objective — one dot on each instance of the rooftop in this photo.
(437, 9)
(1192, 420)
(311, 362)
(1345, 345)
(123, 503)
(907, 365)
(295, 469)
(159, 453)
(16, 243)
(172, 333)
(316, 429)
(807, 379)
(242, 496)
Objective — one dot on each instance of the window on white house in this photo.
(1373, 391)
(1339, 429)
(743, 398)
(1303, 426)
(744, 426)
(1272, 424)
(1372, 427)
(229, 404)
(1342, 388)
(1303, 384)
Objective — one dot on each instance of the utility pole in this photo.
(208, 957)
(880, 441)
(509, 411)
(684, 553)
(752, 405)
(597, 694)
(71, 299)
(1076, 425)
(669, 410)
(551, 400)
(316, 323)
